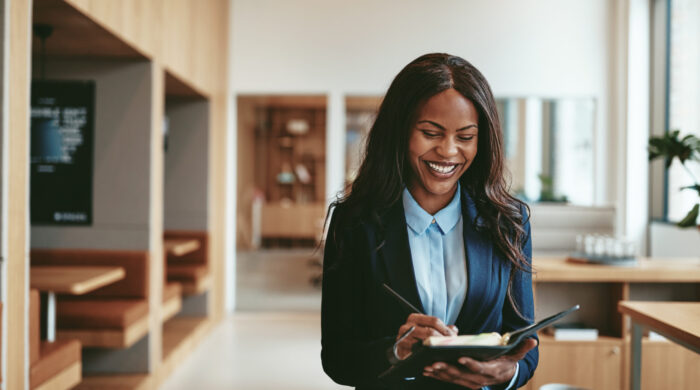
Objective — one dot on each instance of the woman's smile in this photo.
(442, 170)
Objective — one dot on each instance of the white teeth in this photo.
(441, 168)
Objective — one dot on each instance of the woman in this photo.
(428, 214)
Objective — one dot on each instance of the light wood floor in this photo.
(276, 280)
(273, 341)
(251, 351)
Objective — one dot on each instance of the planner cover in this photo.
(422, 356)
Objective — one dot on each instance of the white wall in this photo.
(551, 48)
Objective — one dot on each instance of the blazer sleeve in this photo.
(349, 356)
(522, 295)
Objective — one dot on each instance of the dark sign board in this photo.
(63, 116)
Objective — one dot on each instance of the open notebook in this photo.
(422, 355)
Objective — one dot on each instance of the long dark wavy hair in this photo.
(385, 167)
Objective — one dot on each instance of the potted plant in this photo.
(687, 150)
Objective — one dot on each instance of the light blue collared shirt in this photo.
(439, 258)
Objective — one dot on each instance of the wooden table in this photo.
(73, 280)
(180, 247)
(677, 321)
(646, 270)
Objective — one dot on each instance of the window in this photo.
(683, 99)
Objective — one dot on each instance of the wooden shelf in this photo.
(287, 101)
(363, 103)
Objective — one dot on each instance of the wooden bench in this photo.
(53, 365)
(172, 300)
(114, 316)
(191, 269)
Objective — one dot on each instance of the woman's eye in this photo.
(467, 138)
(430, 134)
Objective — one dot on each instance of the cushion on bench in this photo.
(195, 279)
(99, 313)
(55, 357)
(187, 273)
(171, 290)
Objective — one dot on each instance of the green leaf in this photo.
(691, 217)
(670, 146)
(695, 187)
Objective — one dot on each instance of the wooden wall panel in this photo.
(217, 201)
(188, 39)
(197, 51)
(156, 274)
(134, 21)
(178, 53)
(18, 196)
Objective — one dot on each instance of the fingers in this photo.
(417, 335)
(419, 332)
(495, 371)
(522, 349)
(475, 374)
(430, 322)
(449, 373)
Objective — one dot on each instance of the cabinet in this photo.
(604, 363)
(597, 365)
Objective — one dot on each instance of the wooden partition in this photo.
(140, 48)
(16, 222)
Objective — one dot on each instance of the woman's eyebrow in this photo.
(443, 128)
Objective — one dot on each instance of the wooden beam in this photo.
(17, 192)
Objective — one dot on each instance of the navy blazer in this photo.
(359, 320)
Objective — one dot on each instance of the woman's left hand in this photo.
(474, 374)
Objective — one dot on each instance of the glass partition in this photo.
(548, 145)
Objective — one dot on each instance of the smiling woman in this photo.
(430, 216)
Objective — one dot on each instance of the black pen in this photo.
(402, 300)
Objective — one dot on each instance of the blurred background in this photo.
(196, 146)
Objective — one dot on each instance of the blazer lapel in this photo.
(396, 253)
(479, 252)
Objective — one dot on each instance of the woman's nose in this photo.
(447, 147)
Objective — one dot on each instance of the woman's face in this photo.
(442, 145)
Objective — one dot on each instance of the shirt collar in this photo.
(419, 220)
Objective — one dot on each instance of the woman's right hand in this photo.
(424, 326)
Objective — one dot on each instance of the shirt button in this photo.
(433, 220)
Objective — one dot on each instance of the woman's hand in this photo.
(425, 326)
(474, 374)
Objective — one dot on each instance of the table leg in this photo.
(636, 366)
(51, 316)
